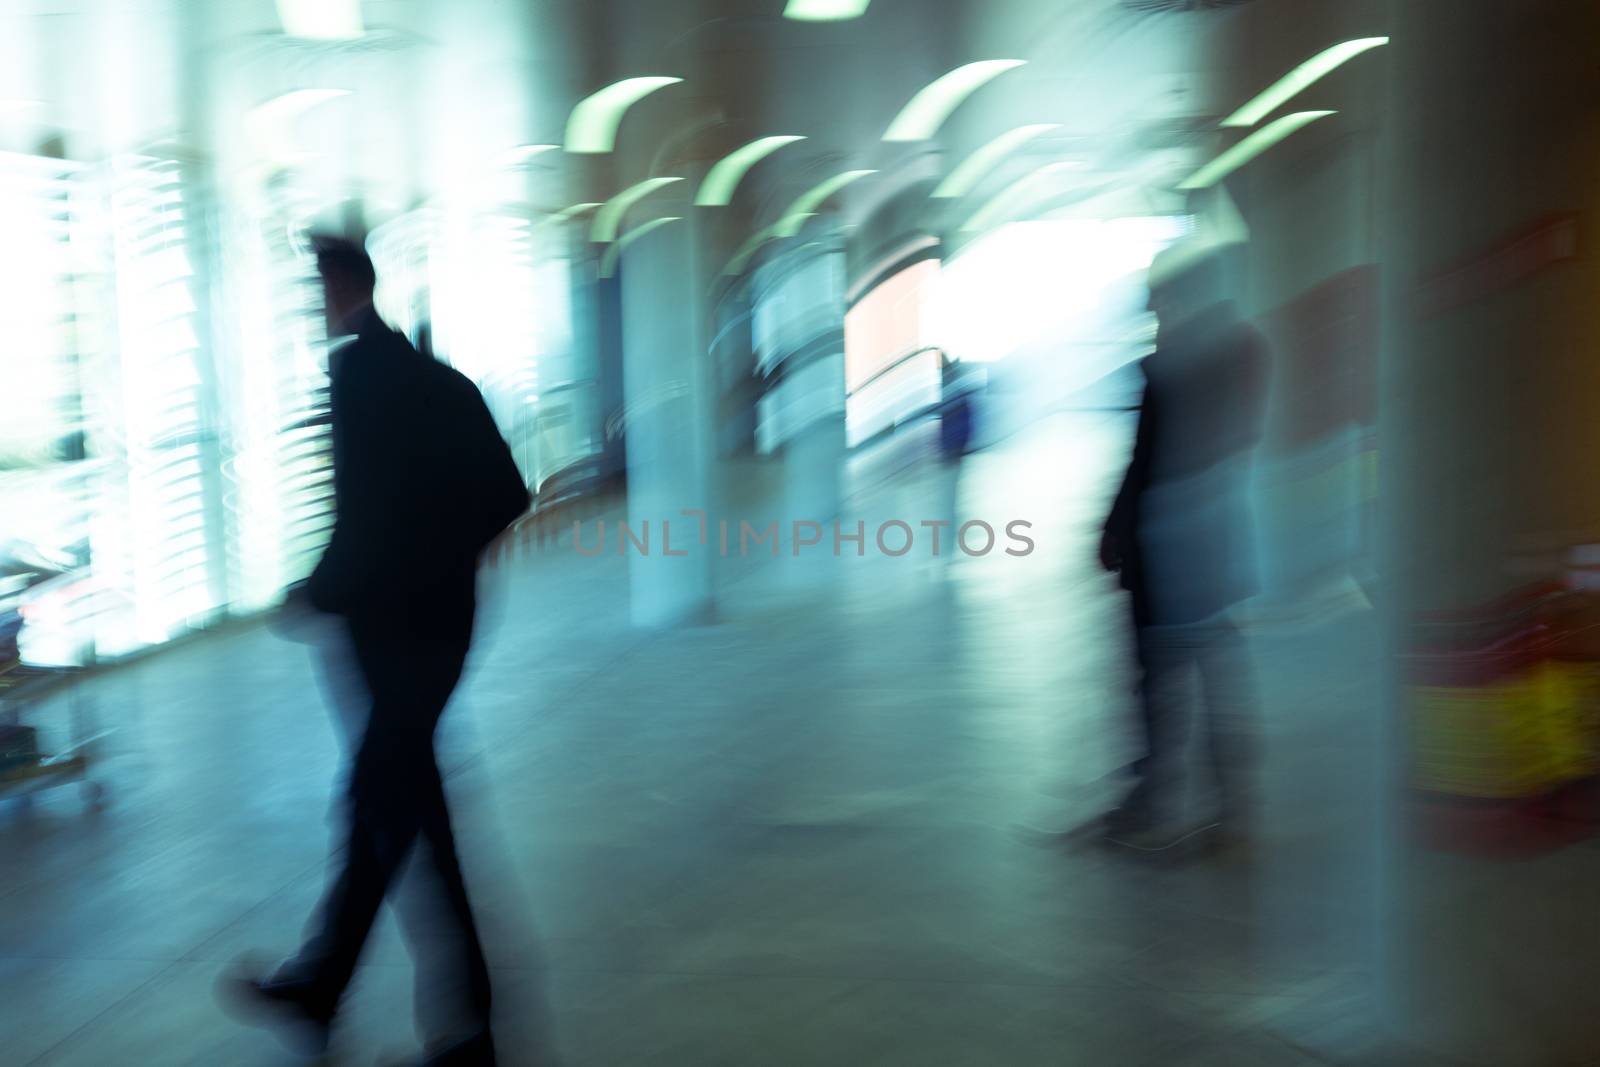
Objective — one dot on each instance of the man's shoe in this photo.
(1129, 819)
(290, 1007)
(1235, 831)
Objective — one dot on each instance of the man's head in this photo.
(348, 279)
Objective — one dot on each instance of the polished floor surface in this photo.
(833, 826)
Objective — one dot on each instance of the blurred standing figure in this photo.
(1180, 535)
(955, 441)
(423, 482)
(955, 411)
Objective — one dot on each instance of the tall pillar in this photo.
(668, 413)
(1488, 388)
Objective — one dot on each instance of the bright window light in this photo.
(1046, 288)
(608, 220)
(964, 178)
(806, 206)
(1250, 148)
(825, 10)
(724, 178)
(271, 123)
(1011, 199)
(608, 263)
(592, 128)
(1300, 78)
(891, 369)
(927, 110)
(323, 20)
(289, 105)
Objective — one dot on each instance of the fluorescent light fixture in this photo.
(593, 124)
(927, 110)
(572, 212)
(526, 152)
(964, 178)
(292, 104)
(724, 178)
(1009, 199)
(808, 203)
(608, 220)
(323, 20)
(825, 10)
(608, 262)
(792, 223)
(1250, 148)
(1300, 78)
(741, 259)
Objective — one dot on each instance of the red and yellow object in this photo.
(1504, 722)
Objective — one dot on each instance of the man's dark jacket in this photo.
(423, 482)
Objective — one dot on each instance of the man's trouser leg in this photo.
(429, 895)
(1162, 657)
(395, 794)
(1229, 696)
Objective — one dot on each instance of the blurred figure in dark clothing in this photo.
(956, 418)
(423, 483)
(1180, 536)
(955, 411)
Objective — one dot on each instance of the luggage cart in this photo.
(25, 767)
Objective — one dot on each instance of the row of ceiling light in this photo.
(921, 119)
(593, 125)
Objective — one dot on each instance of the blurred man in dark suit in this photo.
(1180, 535)
(423, 484)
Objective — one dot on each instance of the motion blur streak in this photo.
(817, 532)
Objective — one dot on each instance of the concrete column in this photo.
(1488, 390)
(669, 411)
(813, 470)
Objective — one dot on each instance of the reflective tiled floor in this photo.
(833, 827)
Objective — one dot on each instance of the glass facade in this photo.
(165, 460)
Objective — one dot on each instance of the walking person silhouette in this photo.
(423, 483)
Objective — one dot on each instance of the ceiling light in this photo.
(594, 122)
(792, 223)
(608, 220)
(1007, 201)
(1250, 148)
(825, 10)
(742, 258)
(324, 20)
(724, 178)
(1298, 79)
(964, 178)
(608, 262)
(526, 152)
(927, 110)
(806, 206)
(572, 212)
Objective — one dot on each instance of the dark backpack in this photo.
(484, 489)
